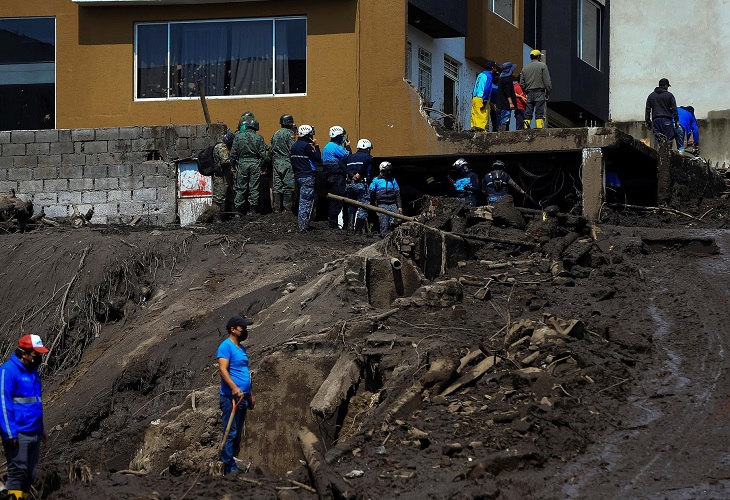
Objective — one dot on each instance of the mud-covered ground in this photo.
(554, 360)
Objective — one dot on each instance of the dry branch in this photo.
(327, 482)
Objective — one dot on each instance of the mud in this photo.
(561, 367)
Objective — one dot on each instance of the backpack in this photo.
(206, 163)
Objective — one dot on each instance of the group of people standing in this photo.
(497, 93)
(241, 158)
(669, 122)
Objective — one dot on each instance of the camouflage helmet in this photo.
(286, 121)
(246, 118)
(253, 124)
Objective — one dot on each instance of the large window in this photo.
(589, 33)
(231, 58)
(27, 73)
(504, 9)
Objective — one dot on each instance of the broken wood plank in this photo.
(472, 374)
(333, 391)
(327, 482)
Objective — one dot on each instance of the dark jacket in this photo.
(304, 158)
(505, 89)
(661, 104)
(359, 162)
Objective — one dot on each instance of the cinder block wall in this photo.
(121, 172)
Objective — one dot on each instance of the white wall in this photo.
(454, 48)
(686, 41)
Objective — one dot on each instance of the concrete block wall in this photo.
(121, 172)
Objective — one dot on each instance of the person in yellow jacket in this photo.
(535, 81)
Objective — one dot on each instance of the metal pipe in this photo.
(395, 263)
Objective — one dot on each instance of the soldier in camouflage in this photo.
(223, 175)
(281, 144)
(248, 155)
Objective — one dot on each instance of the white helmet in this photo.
(461, 162)
(386, 166)
(336, 130)
(364, 144)
(305, 130)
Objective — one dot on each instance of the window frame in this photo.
(599, 35)
(512, 21)
(233, 20)
(425, 67)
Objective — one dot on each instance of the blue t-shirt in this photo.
(237, 367)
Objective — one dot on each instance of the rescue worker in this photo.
(22, 423)
(385, 193)
(358, 172)
(248, 155)
(661, 113)
(687, 127)
(235, 393)
(496, 182)
(535, 81)
(305, 154)
(223, 175)
(333, 167)
(466, 183)
(281, 143)
(246, 118)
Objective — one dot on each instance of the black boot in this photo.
(287, 201)
(359, 224)
(277, 203)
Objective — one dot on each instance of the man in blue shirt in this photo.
(21, 423)
(385, 193)
(334, 157)
(480, 98)
(235, 393)
(687, 126)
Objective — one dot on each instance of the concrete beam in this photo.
(593, 178)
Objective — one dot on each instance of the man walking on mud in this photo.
(235, 393)
(21, 422)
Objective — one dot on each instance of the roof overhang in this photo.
(117, 3)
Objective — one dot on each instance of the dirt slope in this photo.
(602, 377)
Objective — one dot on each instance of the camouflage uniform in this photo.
(248, 154)
(222, 177)
(283, 174)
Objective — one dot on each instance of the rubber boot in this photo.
(18, 493)
(276, 208)
(287, 202)
(527, 124)
(539, 123)
(217, 209)
(359, 224)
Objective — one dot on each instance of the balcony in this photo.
(437, 18)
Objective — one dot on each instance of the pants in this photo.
(385, 220)
(679, 137)
(336, 184)
(519, 119)
(307, 199)
(663, 127)
(358, 191)
(283, 178)
(248, 182)
(535, 104)
(505, 115)
(223, 189)
(233, 442)
(23, 461)
(479, 113)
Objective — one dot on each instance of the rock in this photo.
(522, 328)
(439, 400)
(450, 449)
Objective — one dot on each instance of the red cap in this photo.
(33, 342)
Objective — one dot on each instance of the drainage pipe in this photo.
(395, 263)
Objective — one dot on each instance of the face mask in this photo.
(36, 361)
(244, 335)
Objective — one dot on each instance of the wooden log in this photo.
(372, 208)
(575, 220)
(472, 374)
(201, 89)
(333, 391)
(496, 240)
(327, 482)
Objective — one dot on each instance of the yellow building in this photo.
(123, 63)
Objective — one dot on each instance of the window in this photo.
(409, 57)
(589, 33)
(451, 92)
(504, 9)
(232, 58)
(28, 73)
(424, 75)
